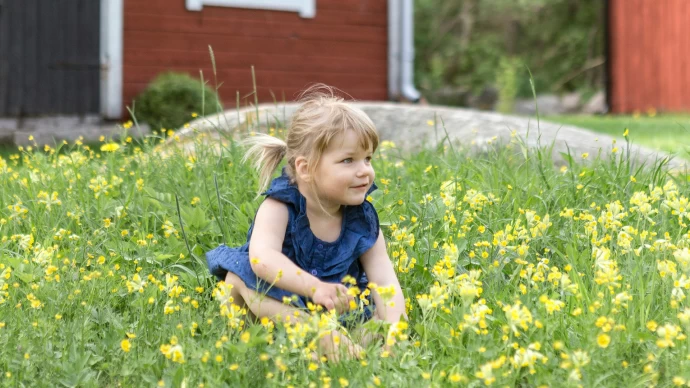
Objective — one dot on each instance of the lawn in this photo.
(515, 273)
(669, 133)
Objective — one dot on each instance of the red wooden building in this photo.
(342, 43)
(93, 57)
(649, 55)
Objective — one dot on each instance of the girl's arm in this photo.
(270, 264)
(379, 269)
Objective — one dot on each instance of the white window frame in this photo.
(305, 8)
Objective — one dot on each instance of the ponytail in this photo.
(265, 152)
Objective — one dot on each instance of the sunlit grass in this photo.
(515, 272)
(669, 133)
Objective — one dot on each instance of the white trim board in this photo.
(111, 58)
(305, 8)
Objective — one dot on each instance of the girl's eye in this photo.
(347, 161)
(368, 159)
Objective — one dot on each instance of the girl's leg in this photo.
(260, 305)
(265, 306)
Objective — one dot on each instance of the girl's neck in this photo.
(326, 209)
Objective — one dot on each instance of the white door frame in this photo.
(111, 58)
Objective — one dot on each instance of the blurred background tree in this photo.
(476, 52)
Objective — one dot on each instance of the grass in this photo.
(516, 273)
(669, 133)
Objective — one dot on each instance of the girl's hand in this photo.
(337, 346)
(332, 296)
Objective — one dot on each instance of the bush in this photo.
(171, 98)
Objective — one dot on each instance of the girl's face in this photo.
(344, 174)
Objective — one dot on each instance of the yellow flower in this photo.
(603, 340)
(110, 147)
(125, 345)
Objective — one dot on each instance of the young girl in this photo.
(315, 225)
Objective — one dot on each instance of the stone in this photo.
(571, 102)
(596, 104)
(411, 128)
(7, 129)
(485, 100)
(450, 96)
(55, 129)
(548, 104)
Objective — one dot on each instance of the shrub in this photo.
(171, 98)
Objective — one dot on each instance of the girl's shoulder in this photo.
(283, 190)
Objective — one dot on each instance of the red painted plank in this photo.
(234, 14)
(639, 45)
(684, 48)
(286, 62)
(371, 6)
(266, 78)
(199, 43)
(245, 28)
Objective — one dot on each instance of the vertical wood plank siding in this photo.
(345, 45)
(649, 54)
(49, 57)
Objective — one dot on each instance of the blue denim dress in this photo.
(328, 261)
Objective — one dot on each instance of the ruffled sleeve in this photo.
(283, 190)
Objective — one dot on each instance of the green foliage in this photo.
(461, 43)
(171, 98)
(506, 82)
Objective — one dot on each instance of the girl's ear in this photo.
(302, 169)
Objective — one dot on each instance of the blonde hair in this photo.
(321, 116)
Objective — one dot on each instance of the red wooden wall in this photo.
(649, 54)
(344, 45)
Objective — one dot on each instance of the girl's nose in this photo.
(364, 169)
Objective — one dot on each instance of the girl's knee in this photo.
(235, 281)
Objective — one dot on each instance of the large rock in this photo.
(411, 127)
